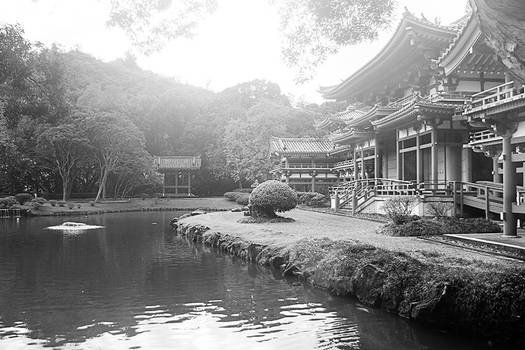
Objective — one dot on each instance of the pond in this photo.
(134, 284)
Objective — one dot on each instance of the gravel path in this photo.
(310, 224)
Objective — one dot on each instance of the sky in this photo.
(239, 42)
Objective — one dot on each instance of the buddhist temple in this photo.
(439, 113)
(177, 173)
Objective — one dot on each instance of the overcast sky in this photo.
(240, 42)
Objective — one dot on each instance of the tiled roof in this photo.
(178, 162)
(299, 145)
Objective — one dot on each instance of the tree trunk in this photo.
(65, 189)
(101, 185)
(240, 184)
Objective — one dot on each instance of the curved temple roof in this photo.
(399, 53)
(297, 145)
(177, 162)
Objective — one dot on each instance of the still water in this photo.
(133, 284)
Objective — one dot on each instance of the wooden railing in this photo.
(485, 195)
(498, 94)
(343, 165)
(483, 135)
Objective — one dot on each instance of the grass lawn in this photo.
(217, 203)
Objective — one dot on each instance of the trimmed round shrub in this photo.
(70, 205)
(243, 199)
(53, 203)
(312, 199)
(270, 197)
(23, 197)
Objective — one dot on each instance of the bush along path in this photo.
(481, 300)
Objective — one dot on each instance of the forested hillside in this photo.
(72, 124)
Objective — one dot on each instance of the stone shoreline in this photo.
(486, 302)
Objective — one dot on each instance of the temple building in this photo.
(438, 113)
(177, 173)
(303, 163)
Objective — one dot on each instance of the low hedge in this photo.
(241, 198)
(441, 226)
(312, 199)
(23, 197)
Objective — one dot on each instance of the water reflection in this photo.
(133, 284)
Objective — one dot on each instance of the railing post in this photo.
(354, 202)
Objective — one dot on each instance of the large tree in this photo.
(113, 139)
(62, 148)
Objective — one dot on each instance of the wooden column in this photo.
(398, 157)
(418, 159)
(377, 163)
(163, 184)
(496, 177)
(362, 163)
(509, 188)
(355, 164)
(189, 183)
(176, 182)
(434, 155)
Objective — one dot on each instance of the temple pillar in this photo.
(434, 155)
(355, 165)
(506, 129)
(163, 184)
(189, 183)
(176, 182)
(362, 164)
(466, 161)
(496, 177)
(398, 157)
(418, 160)
(377, 163)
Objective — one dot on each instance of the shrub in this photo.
(7, 202)
(272, 196)
(471, 225)
(438, 209)
(243, 198)
(23, 197)
(53, 203)
(39, 200)
(92, 203)
(231, 196)
(415, 228)
(70, 205)
(61, 203)
(313, 199)
(399, 208)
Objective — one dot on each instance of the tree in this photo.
(151, 23)
(314, 29)
(113, 138)
(62, 148)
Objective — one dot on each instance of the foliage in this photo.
(314, 29)
(399, 208)
(271, 196)
(70, 205)
(445, 225)
(22, 198)
(150, 24)
(312, 199)
(438, 209)
(7, 202)
(241, 198)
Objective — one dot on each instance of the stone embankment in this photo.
(436, 287)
